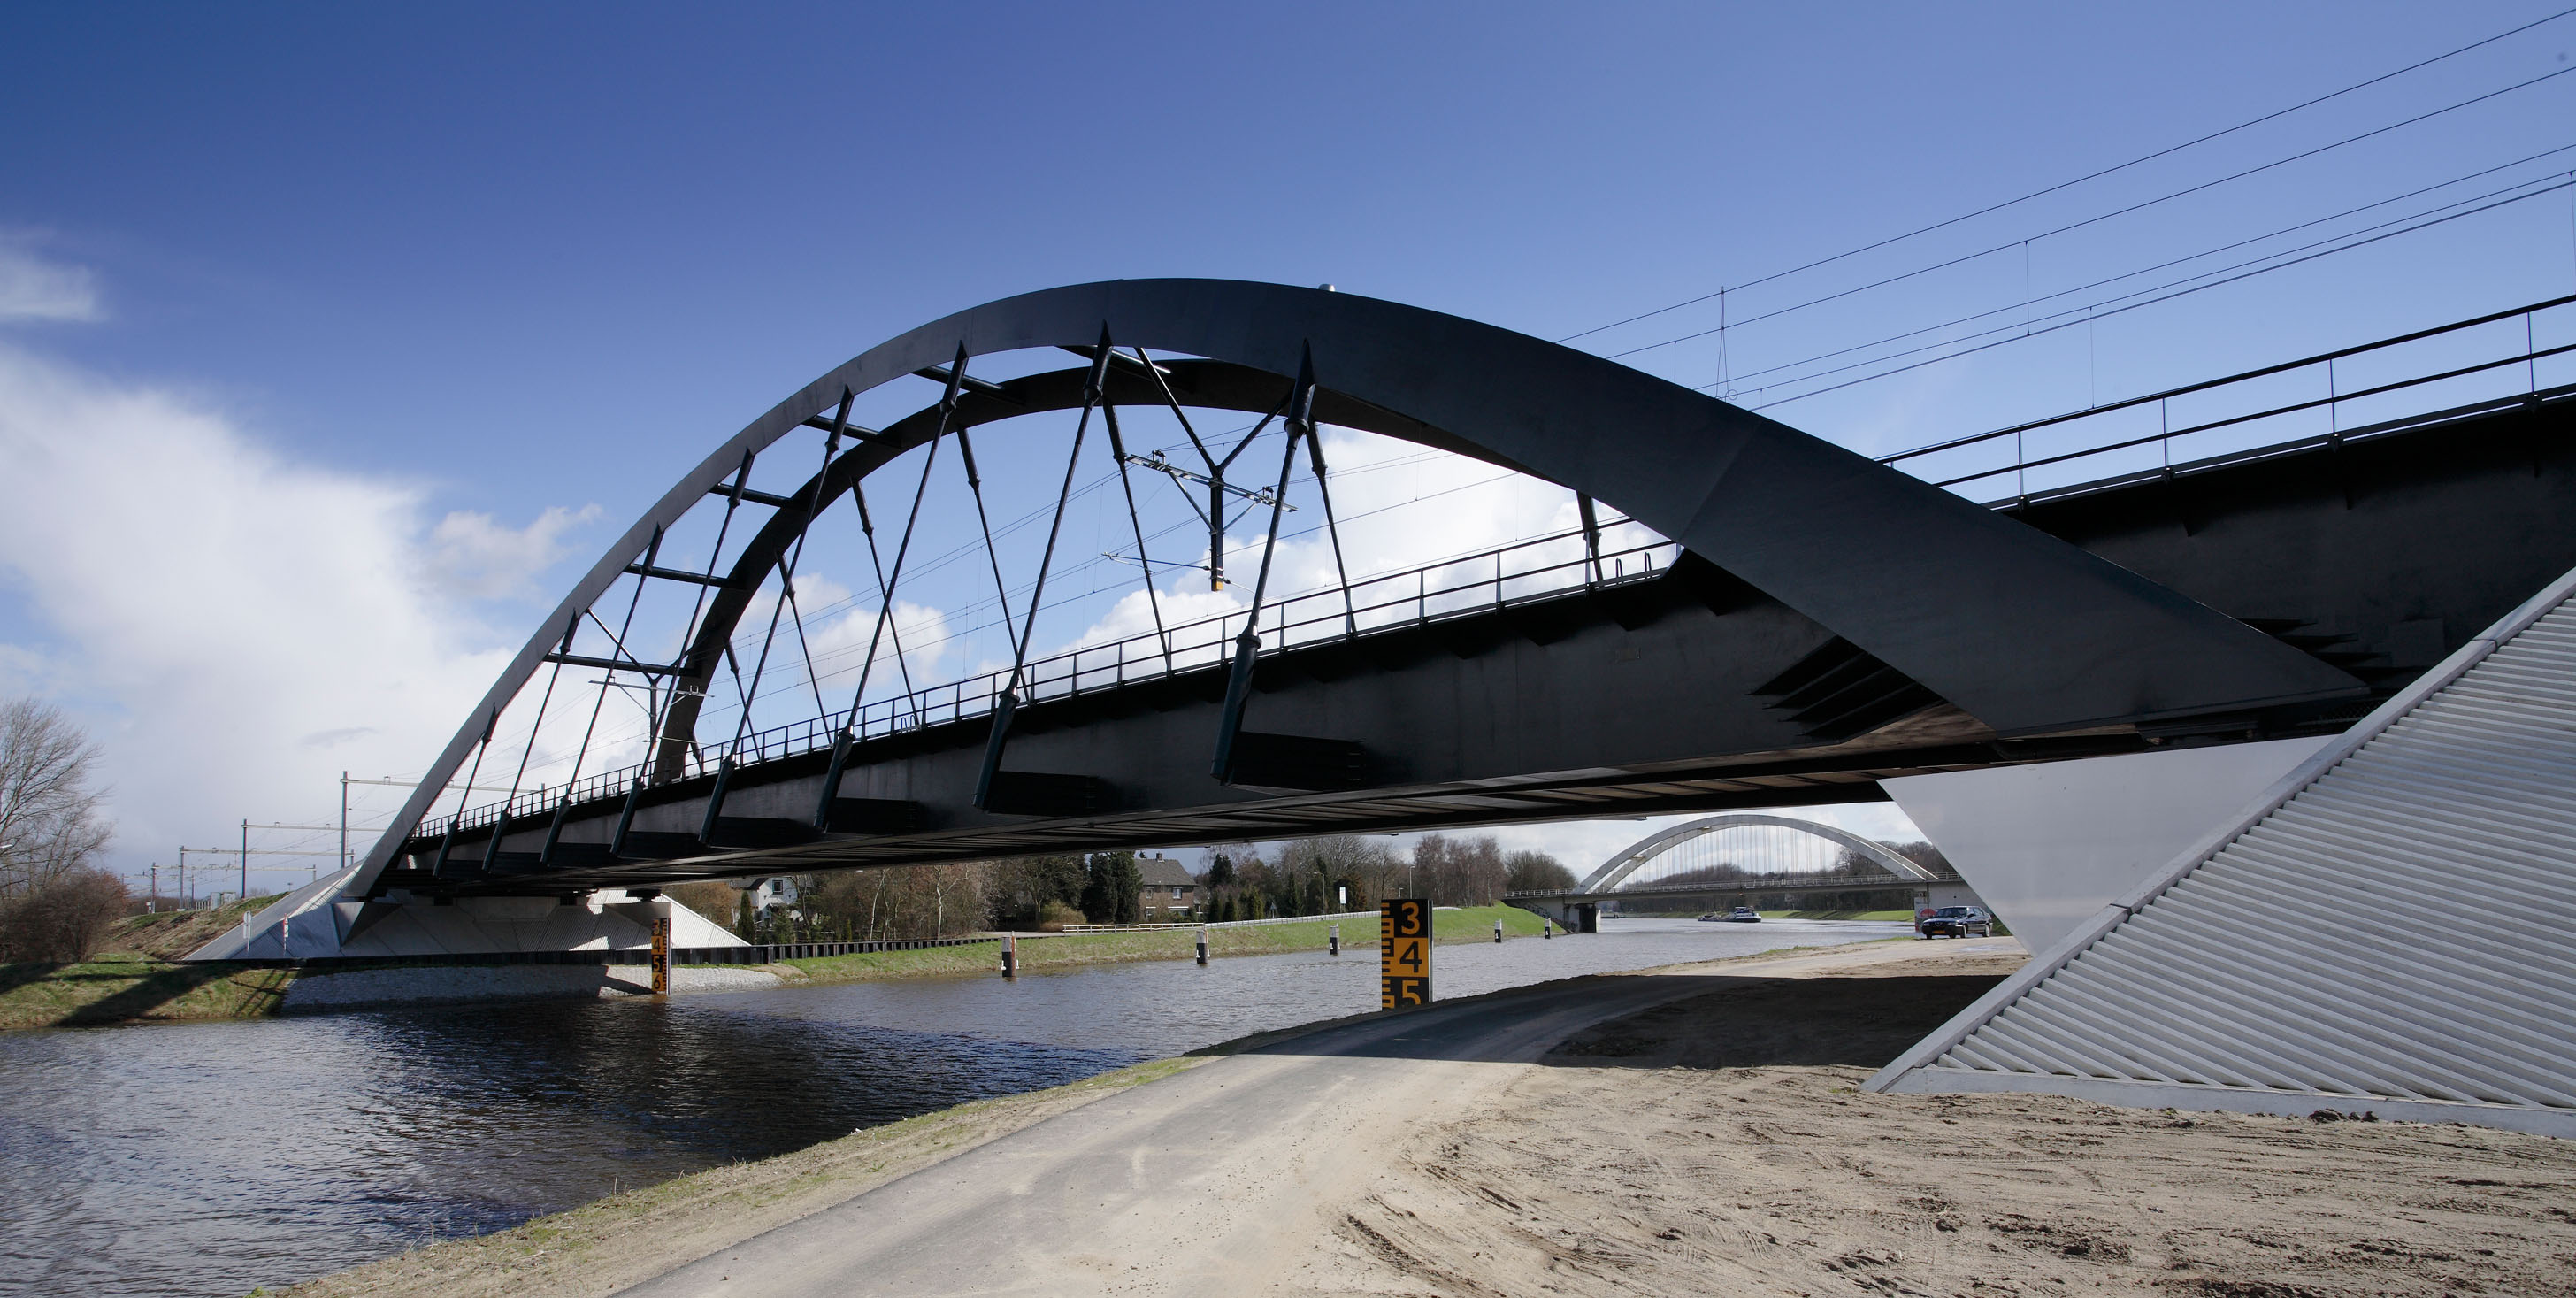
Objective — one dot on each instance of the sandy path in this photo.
(1719, 1145)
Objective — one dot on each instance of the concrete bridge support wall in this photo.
(2047, 846)
(313, 923)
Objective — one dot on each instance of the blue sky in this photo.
(455, 290)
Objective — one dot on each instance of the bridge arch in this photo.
(2021, 632)
(1630, 859)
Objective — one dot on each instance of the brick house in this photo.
(1171, 891)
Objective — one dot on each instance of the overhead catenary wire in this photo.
(2025, 240)
(2091, 316)
(1727, 382)
(2142, 159)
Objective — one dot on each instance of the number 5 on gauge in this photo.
(1404, 952)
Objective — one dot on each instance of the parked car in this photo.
(1744, 915)
(1954, 921)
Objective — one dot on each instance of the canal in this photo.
(210, 1159)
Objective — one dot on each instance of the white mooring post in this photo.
(1498, 930)
(1202, 946)
(1546, 927)
(1010, 955)
(1333, 939)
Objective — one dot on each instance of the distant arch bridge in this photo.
(1609, 881)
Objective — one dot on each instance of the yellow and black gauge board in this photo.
(662, 954)
(1404, 952)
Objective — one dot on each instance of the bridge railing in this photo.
(2525, 355)
(1540, 568)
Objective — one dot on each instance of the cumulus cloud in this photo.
(473, 556)
(841, 644)
(32, 288)
(234, 627)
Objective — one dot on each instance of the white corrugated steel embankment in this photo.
(2391, 929)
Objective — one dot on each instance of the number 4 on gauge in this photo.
(1404, 952)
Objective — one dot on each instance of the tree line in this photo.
(1306, 876)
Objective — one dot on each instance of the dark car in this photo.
(1954, 921)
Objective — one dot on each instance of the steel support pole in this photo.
(1093, 391)
(1238, 686)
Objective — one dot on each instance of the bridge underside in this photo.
(1428, 725)
(1687, 691)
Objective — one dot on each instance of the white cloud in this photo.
(840, 644)
(236, 629)
(32, 288)
(476, 557)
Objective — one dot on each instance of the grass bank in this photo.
(123, 987)
(1466, 924)
(139, 979)
(136, 978)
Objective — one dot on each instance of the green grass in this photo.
(137, 977)
(124, 987)
(129, 986)
(1468, 924)
(172, 934)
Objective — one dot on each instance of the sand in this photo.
(1720, 1145)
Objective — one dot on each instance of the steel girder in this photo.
(2023, 632)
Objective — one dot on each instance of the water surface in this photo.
(209, 1159)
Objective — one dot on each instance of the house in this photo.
(1171, 891)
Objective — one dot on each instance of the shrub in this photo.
(63, 920)
(1054, 915)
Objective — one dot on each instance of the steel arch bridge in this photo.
(1783, 622)
(1634, 857)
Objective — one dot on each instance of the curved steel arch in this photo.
(2025, 633)
(1203, 384)
(1628, 860)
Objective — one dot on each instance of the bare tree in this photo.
(1458, 871)
(63, 922)
(1532, 871)
(49, 821)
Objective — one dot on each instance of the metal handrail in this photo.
(1208, 642)
(2022, 464)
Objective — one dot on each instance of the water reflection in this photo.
(210, 1159)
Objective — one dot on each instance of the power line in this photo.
(1732, 381)
(2071, 323)
(2093, 220)
(2093, 310)
(2065, 184)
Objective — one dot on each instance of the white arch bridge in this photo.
(1738, 855)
